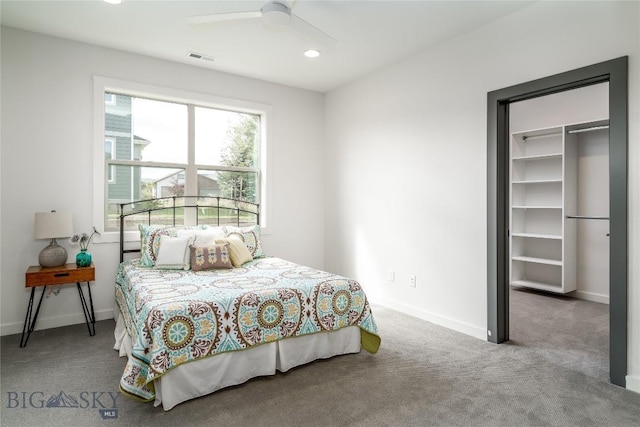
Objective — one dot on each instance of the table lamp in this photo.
(52, 225)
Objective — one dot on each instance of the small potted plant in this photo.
(83, 258)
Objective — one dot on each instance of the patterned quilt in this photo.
(176, 316)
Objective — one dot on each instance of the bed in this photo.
(197, 318)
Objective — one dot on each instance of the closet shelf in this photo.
(543, 178)
(537, 285)
(537, 260)
(538, 236)
(538, 157)
(538, 181)
(535, 207)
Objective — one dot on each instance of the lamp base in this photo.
(53, 255)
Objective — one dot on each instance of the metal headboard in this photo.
(174, 203)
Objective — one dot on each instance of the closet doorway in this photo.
(559, 228)
(498, 199)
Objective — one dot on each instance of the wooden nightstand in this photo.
(68, 273)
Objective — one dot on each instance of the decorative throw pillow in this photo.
(250, 236)
(173, 253)
(237, 250)
(150, 241)
(210, 257)
(204, 237)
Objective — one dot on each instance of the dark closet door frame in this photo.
(614, 72)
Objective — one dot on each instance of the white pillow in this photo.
(203, 238)
(173, 253)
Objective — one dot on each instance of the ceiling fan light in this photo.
(276, 14)
(311, 53)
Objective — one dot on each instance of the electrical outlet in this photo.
(391, 276)
(412, 280)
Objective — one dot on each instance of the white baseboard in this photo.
(456, 325)
(633, 383)
(590, 296)
(54, 322)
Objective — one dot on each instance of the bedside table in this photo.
(45, 276)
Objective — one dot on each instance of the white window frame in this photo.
(112, 142)
(105, 84)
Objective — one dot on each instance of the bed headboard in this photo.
(192, 209)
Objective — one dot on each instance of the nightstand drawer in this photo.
(69, 273)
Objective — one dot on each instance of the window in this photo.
(161, 146)
(226, 152)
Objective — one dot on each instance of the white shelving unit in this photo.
(543, 184)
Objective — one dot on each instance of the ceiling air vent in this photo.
(195, 55)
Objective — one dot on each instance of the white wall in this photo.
(404, 177)
(47, 144)
(406, 159)
(586, 104)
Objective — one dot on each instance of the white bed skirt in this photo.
(205, 376)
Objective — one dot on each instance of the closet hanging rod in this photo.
(587, 217)
(546, 135)
(588, 129)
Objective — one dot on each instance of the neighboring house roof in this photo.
(164, 178)
(204, 177)
(214, 182)
(140, 141)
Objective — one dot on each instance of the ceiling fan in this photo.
(276, 13)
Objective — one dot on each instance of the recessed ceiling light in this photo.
(112, 1)
(311, 53)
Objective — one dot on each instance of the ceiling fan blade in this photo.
(303, 27)
(220, 17)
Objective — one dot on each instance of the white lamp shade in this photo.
(51, 225)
